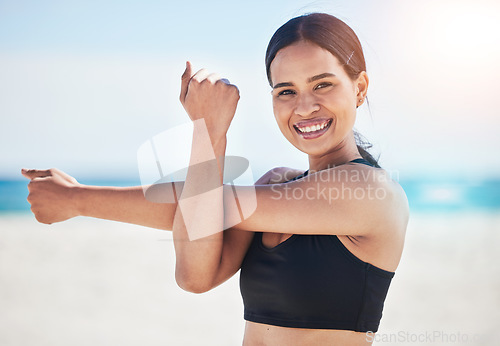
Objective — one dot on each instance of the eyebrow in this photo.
(309, 80)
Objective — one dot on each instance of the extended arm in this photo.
(55, 196)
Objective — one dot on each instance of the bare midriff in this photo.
(258, 334)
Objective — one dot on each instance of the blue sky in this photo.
(84, 84)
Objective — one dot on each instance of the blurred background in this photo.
(83, 84)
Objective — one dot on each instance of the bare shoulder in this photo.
(278, 175)
(387, 213)
(388, 192)
(397, 202)
(377, 188)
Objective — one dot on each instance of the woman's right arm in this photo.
(55, 196)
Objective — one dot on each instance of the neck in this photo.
(346, 151)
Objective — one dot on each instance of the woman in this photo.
(318, 254)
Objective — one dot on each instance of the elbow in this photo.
(192, 283)
(193, 287)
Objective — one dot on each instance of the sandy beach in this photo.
(95, 282)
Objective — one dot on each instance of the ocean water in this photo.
(423, 195)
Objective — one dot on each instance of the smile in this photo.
(312, 128)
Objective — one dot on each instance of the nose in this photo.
(306, 105)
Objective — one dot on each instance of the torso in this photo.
(384, 253)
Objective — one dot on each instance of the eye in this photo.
(286, 92)
(323, 85)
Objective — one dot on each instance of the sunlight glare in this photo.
(463, 32)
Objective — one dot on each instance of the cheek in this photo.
(280, 114)
(342, 103)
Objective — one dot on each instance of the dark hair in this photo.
(329, 33)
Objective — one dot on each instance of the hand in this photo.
(207, 96)
(51, 195)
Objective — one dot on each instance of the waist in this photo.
(259, 334)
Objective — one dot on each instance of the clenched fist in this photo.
(210, 97)
(51, 195)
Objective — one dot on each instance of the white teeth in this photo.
(312, 128)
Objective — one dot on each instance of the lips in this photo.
(314, 128)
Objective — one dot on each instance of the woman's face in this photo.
(314, 100)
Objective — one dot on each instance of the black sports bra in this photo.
(312, 281)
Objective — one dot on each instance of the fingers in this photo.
(225, 81)
(36, 184)
(213, 78)
(204, 76)
(185, 78)
(200, 76)
(36, 173)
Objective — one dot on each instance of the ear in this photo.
(361, 84)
